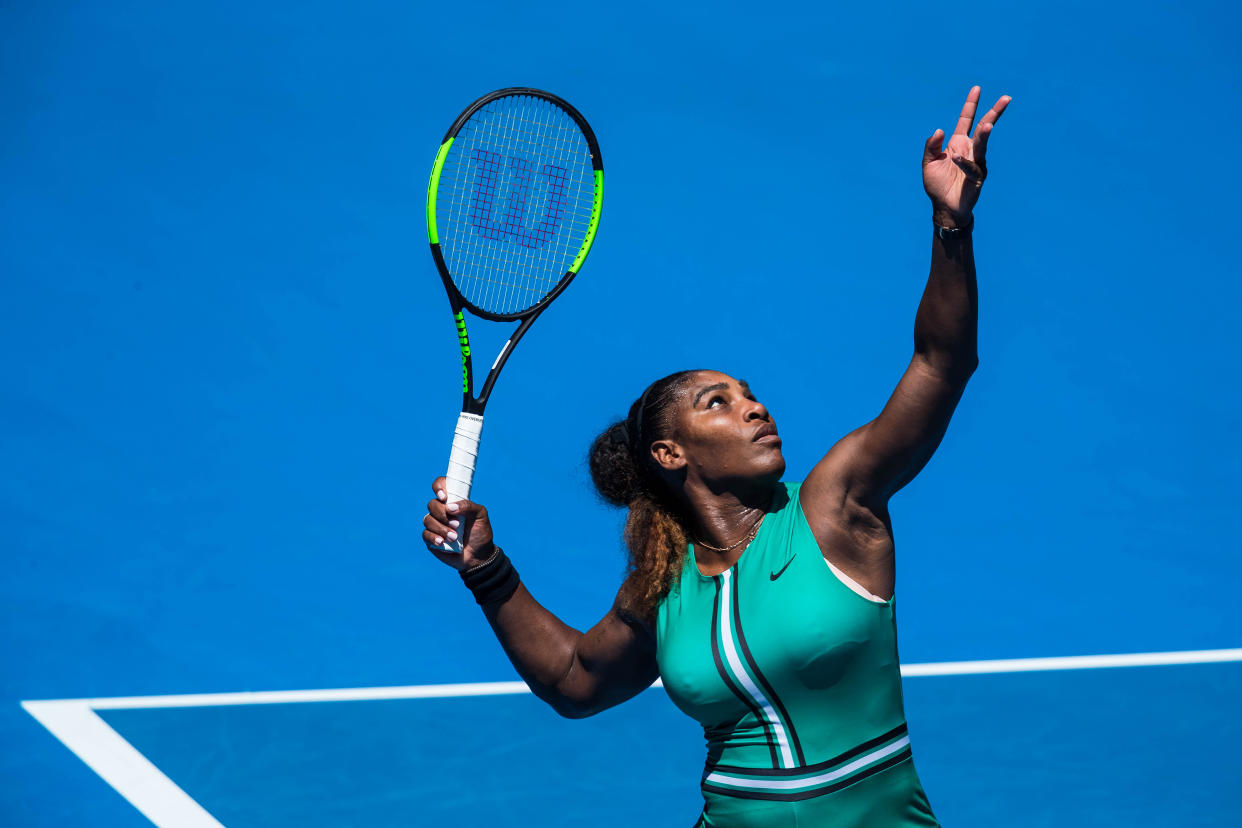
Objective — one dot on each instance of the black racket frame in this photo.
(471, 403)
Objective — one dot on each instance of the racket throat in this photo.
(504, 352)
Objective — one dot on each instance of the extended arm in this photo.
(578, 674)
(846, 495)
(888, 452)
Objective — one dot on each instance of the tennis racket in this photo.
(512, 209)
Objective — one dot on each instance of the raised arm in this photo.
(854, 481)
(578, 674)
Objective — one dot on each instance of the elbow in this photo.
(959, 375)
(967, 369)
(568, 708)
(955, 369)
(573, 695)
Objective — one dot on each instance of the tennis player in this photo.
(766, 606)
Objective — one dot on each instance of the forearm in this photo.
(946, 325)
(541, 647)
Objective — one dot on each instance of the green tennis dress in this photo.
(794, 677)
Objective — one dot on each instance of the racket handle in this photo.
(461, 463)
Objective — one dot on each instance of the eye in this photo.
(716, 399)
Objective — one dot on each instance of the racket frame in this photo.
(465, 450)
(471, 403)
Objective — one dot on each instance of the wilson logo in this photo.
(462, 339)
(491, 170)
(464, 342)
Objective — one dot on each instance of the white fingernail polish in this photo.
(452, 536)
(454, 523)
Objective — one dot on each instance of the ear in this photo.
(668, 455)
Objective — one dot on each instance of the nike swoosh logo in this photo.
(778, 573)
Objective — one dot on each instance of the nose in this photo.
(757, 411)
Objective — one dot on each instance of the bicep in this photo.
(613, 661)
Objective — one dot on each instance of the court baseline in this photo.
(75, 723)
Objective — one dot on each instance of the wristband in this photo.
(947, 233)
(492, 581)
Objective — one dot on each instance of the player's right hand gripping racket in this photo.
(512, 210)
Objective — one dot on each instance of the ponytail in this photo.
(625, 475)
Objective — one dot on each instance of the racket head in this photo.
(514, 202)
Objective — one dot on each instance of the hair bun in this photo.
(613, 469)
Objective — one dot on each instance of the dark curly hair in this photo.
(625, 474)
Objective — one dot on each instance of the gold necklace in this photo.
(749, 536)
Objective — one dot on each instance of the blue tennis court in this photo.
(231, 378)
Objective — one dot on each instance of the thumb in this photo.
(934, 147)
(468, 513)
(474, 529)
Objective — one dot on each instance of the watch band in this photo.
(947, 233)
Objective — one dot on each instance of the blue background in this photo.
(230, 371)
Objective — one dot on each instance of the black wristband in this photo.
(947, 233)
(492, 581)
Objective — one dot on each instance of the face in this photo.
(722, 435)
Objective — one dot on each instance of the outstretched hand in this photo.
(953, 175)
(449, 521)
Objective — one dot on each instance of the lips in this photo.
(767, 430)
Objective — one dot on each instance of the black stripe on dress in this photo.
(799, 757)
(827, 764)
(768, 733)
(813, 792)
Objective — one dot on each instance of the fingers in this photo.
(463, 522)
(452, 521)
(967, 117)
(439, 526)
(986, 123)
(998, 109)
(981, 141)
(972, 170)
(440, 486)
(934, 147)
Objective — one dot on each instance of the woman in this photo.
(765, 606)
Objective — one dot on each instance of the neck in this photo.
(722, 519)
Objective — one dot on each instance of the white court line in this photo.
(120, 764)
(75, 723)
(504, 688)
(1090, 662)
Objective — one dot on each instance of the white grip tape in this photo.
(462, 460)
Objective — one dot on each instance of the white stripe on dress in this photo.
(743, 678)
(813, 781)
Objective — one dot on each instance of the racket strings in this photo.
(517, 287)
(514, 202)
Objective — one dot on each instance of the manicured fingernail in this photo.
(452, 535)
(452, 507)
(439, 541)
(441, 495)
(454, 523)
